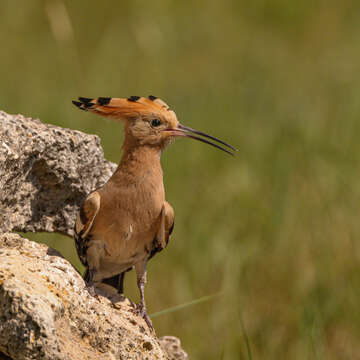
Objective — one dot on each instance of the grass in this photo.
(275, 229)
(246, 339)
(185, 305)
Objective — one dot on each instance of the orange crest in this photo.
(130, 108)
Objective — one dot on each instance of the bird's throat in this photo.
(138, 162)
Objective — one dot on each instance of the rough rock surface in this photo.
(45, 311)
(46, 171)
(172, 347)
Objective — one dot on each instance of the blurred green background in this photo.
(276, 229)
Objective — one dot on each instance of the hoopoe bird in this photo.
(124, 223)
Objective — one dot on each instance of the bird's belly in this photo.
(124, 252)
(127, 233)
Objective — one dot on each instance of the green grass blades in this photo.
(184, 305)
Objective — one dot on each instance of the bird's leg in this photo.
(142, 305)
(140, 269)
(120, 286)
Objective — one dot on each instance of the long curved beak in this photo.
(185, 131)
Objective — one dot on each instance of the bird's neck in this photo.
(138, 162)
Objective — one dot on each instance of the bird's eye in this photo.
(155, 122)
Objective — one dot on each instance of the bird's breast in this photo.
(128, 220)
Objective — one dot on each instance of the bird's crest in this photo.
(121, 108)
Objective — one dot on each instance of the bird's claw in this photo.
(140, 310)
(133, 305)
(91, 290)
(145, 316)
(121, 297)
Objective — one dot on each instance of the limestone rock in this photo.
(46, 171)
(172, 347)
(46, 312)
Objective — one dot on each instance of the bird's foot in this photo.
(91, 290)
(140, 310)
(134, 306)
(121, 297)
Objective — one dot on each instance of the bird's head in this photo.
(148, 121)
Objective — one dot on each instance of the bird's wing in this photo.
(84, 222)
(165, 229)
(169, 221)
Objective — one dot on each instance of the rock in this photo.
(46, 312)
(46, 171)
(172, 347)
